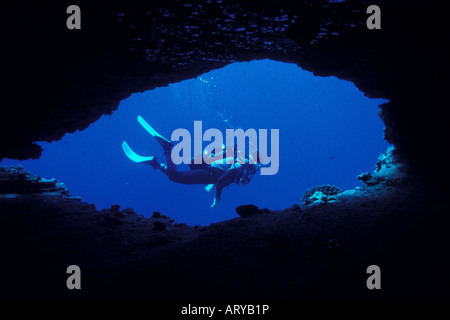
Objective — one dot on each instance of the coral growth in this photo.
(320, 194)
(388, 170)
(15, 180)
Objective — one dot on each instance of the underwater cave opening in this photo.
(329, 132)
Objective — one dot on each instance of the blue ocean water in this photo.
(329, 133)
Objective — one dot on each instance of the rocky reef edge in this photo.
(319, 248)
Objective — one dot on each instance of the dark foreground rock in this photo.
(313, 252)
(62, 80)
(247, 210)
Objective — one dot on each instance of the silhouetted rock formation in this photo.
(61, 80)
(282, 255)
(311, 252)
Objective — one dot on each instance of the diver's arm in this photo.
(215, 203)
(225, 179)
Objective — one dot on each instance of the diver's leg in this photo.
(155, 164)
(199, 176)
(194, 176)
(153, 161)
(195, 166)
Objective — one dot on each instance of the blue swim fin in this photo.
(166, 144)
(148, 127)
(133, 156)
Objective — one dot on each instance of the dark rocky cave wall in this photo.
(61, 80)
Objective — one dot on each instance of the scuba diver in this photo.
(218, 174)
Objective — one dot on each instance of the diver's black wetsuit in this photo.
(203, 173)
(218, 174)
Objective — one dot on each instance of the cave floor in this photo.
(319, 252)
